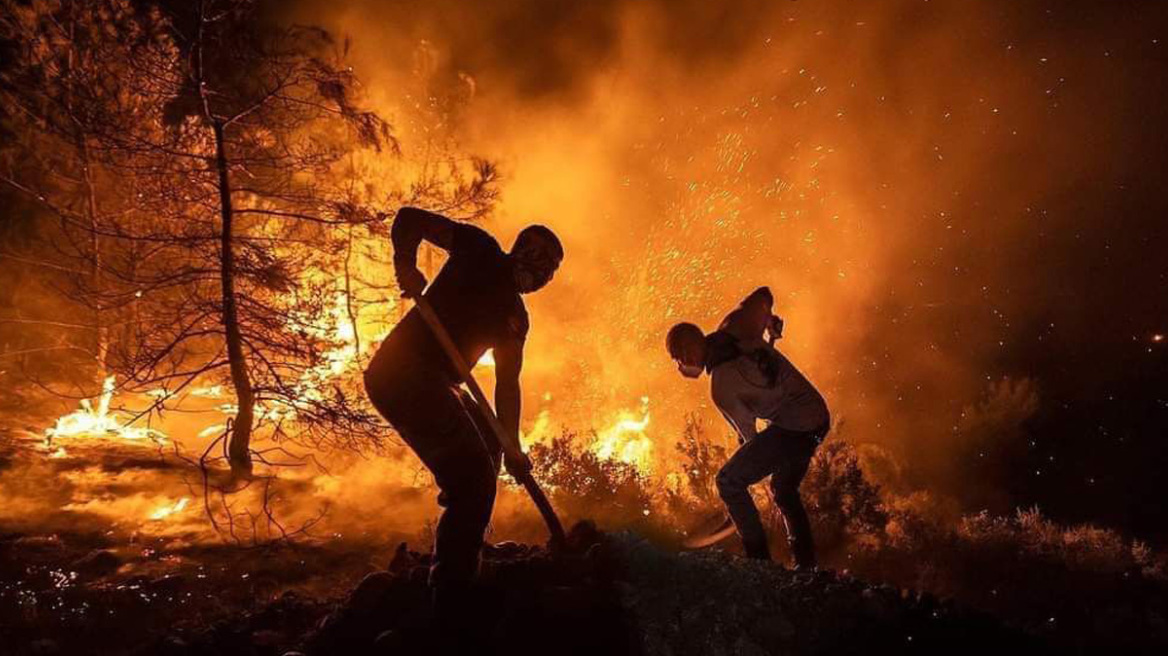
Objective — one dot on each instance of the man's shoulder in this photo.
(723, 369)
(474, 241)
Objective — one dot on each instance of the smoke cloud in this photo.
(926, 186)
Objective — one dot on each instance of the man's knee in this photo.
(730, 486)
(786, 494)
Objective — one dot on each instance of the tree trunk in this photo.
(102, 331)
(81, 143)
(239, 446)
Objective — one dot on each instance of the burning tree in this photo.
(236, 161)
(255, 117)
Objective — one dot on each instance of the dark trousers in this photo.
(440, 422)
(784, 456)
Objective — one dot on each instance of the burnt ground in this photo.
(611, 594)
(76, 583)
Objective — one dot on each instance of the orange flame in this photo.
(99, 421)
(169, 509)
(626, 440)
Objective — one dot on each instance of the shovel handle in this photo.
(544, 506)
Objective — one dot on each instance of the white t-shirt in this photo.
(742, 391)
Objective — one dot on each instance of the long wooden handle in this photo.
(558, 539)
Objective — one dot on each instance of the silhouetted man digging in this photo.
(412, 382)
(751, 380)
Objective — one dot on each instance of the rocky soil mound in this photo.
(614, 595)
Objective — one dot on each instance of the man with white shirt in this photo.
(752, 380)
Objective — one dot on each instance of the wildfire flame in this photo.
(209, 391)
(623, 439)
(626, 440)
(99, 421)
(169, 509)
(334, 325)
(541, 428)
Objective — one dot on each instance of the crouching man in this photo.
(752, 380)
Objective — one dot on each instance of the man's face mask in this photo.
(689, 370)
(535, 264)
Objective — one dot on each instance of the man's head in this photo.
(687, 347)
(535, 256)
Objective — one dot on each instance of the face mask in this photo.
(528, 280)
(533, 270)
(690, 370)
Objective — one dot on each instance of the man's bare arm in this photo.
(508, 398)
(410, 227)
(751, 318)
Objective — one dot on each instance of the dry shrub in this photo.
(987, 437)
(1003, 407)
(1077, 548)
(845, 506)
(702, 459)
(915, 519)
(584, 486)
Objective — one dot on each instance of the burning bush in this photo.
(583, 485)
(846, 506)
(702, 460)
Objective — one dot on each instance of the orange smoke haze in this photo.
(903, 174)
(886, 169)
